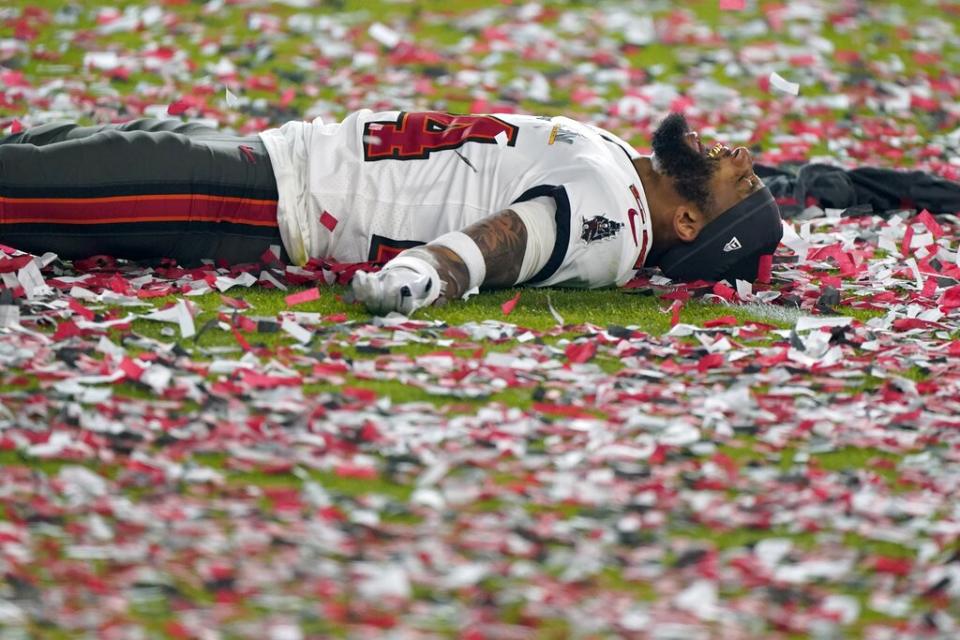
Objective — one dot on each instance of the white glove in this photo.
(405, 284)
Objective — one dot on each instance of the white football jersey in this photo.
(366, 188)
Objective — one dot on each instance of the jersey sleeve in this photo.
(597, 240)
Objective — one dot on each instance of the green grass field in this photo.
(475, 474)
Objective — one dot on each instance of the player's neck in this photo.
(662, 199)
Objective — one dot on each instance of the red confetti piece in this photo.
(66, 329)
(710, 361)
(240, 339)
(234, 303)
(578, 352)
(329, 221)
(564, 410)
(269, 257)
(346, 470)
(722, 321)
(906, 324)
(893, 566)
(177, 107)
(15, 263)
(248, 153)
(80, 310)
(830, 281)
(907, 240)
(507, 307)
(254, 379)
(675, 309)
(930, 223)
(361, 394)
(725, 292)
(131, 369)
(949, 299)
(765, 268)
(307, 295)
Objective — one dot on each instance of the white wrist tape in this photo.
(465, 247)
(539, 216)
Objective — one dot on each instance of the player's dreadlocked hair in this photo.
(690, 171)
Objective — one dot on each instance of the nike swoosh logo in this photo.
(632, 215)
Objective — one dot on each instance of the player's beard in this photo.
(691, 171)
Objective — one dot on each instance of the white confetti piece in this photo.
(83, 294)
(231, 99)
(780, 83)
(185, 320)
(106, 346)
(11, 614)
(157, 377)
(795, 241)
(379, 581)
(103, 60)
(177, 314)
(911, 262)
(771, 551)
(700, 599)
(384, 35)
(225, 283)
(83, 484)
(553, 312)
(106, 324)
(681, 330)
(806, 323)
(285, 631)
(299, 333)
(32, 281)
(266, 275)
(9, 316)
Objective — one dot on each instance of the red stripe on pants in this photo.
(149, 208)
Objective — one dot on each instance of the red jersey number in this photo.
(415, 135)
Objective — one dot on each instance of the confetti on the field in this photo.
(177, 107)
(384, 35)
(733, 5)
(780, 83)
(230, 98)
(298, 332)
(238, 467)
(307, 295)
(553, 312)
(508, 306)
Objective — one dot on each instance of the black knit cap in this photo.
(730, 247)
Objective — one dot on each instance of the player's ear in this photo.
(687, 222)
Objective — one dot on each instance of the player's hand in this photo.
(396, 288)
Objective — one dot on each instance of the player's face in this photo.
(733, 178)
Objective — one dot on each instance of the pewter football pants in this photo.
(145, 189)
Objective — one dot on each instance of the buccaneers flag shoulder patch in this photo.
(599, 228)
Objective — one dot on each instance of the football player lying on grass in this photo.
(450, 202)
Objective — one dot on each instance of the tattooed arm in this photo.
(502, 239)
(502, 250)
